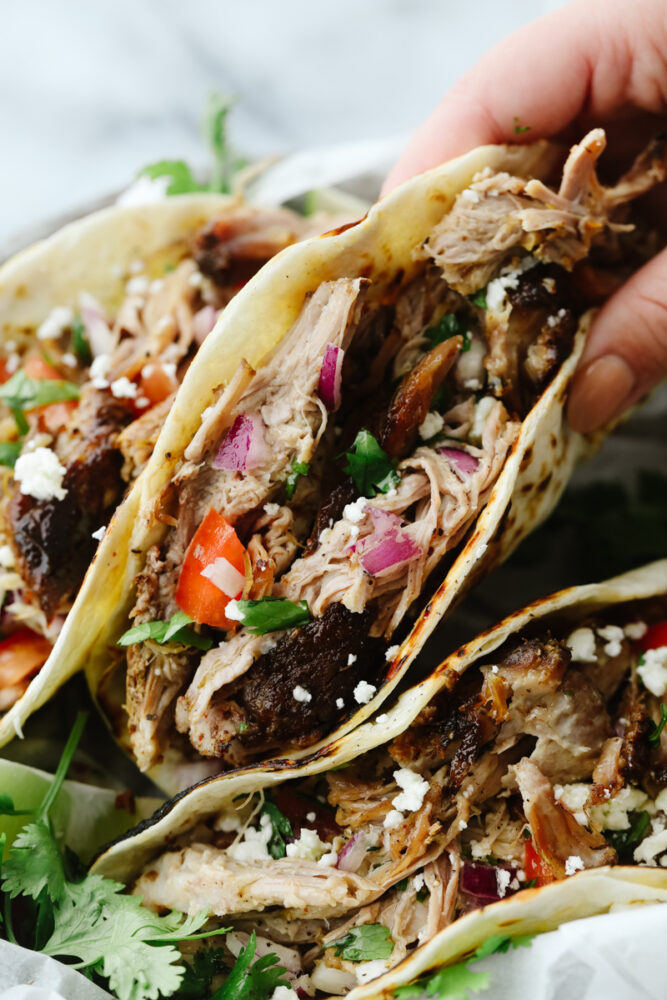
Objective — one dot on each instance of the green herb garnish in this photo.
(624, 840)
(454, 982)
(21, 393)
(250, 980)
(177, 629)
(281, 828)
(448, 326)
(518, 129)
(479, 298)
(529, 884)
(657, 728)
(423, 894)
(271, 614)
(364, 943)
(402, 885)
(80, 342)
(9, 452)
(370, 467)
(298, 469)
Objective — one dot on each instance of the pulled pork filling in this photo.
(305, 562)
(84, 399)
(544, 760)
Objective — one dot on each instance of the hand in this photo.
(593, 62)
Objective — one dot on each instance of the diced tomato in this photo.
(53, 415)
(655, 636)
(156, 383)
(36, 367)
(535, 867)
(196, 595)
(4, 374)
(21, 655)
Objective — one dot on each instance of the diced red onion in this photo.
(243, 447)
(100, 337)
(330, 377)
(351, 856)
(482, 880)
(203, 322)
(225, 577)
(390, 547)
(463, 462)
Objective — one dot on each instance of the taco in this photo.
(523, 783)
(98, 325)
(377, 420)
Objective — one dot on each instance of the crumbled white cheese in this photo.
(494, 669)
(7, 559)
(496, 290)
(233, 612)
(391, 652)
(40, 475)
(363, 692)
(99, 534)
(355, 512)
(366, 971)
(649, 849)
(414, 789)
(137, 286)
(482, 410)
(418, 881)
(553, 321)
(271, 509)
(614, 636)
(307, 846)
(574, 797)
(503, 879)
(351, 659)
(254, 845)
(573, 864)
(653, 670)
(300, 694)
(613, 815)
(55, 323)
(581, 644)
(330, 859)
(284, 993)
(311, 817)
(393, 819)
(470, 195)
(69, 360)
(12, 364)
(635, 630)
(340, 703)
(225, 577)
(99, 370)
(122, 388)
(431, 425)
(228, 822)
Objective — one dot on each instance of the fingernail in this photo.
(600, 392)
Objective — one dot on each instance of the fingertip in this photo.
(601, 390)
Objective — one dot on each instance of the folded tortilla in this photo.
(98, 325)
(375, 423)
(520, 785)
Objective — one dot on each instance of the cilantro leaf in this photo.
(281, 828)
(479, 298)
(502, 943)
(271, 614)
(215, 131)
(450, 325)
(80, 342)
(21, 393)
(364, 943)
(9, 452)
(181, 179)
(255, 981)
(370, 467)
(175, 630)
(199, 974)
(453, 982)
(34, 864)
(657, 728)
(623, 841)
(298, 469)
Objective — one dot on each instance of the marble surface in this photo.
(93, 91)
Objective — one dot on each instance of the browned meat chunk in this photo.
(316, 658)
(635, 750)
(330, 511)
(231, 250)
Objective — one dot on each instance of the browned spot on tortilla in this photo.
(542, 486)
(343, 228)
(527, 458)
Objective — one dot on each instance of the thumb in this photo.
(626, 352)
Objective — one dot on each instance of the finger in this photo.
(626, 352)
(587, 59)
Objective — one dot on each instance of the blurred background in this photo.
(93, 91)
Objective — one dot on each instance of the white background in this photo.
(91, 90)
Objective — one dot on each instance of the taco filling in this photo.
(543, 759)
(84, 398)
(321, 491)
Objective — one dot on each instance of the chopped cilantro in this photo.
(402, 885)
(281, 828)
(370, 467)
(518, 129)
(479, 298)
(526, 834)
(177, 629)
(250, 980)
(80, 342)
(423, 894)
(242, 726)
(21, 393)
(623, 841)
(197, 981)
(9, 452)
(454, 982)
(529, 884)
(271, 614)
(364, 943)
(298, 469)
(448, 326)
(657, 728)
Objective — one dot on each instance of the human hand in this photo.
(593, 62)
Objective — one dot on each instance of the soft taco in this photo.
(522, 784)
(376, 421)
(98, 325)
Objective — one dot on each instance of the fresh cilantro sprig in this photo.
(250, 980)
(271, 614)
(364, 943)
(450, 325)
(456, 982)
(21, 393)
(199, 974)
(177, 629)
(657, 728)
(370, 467)
(298, 470)
(281, 828)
